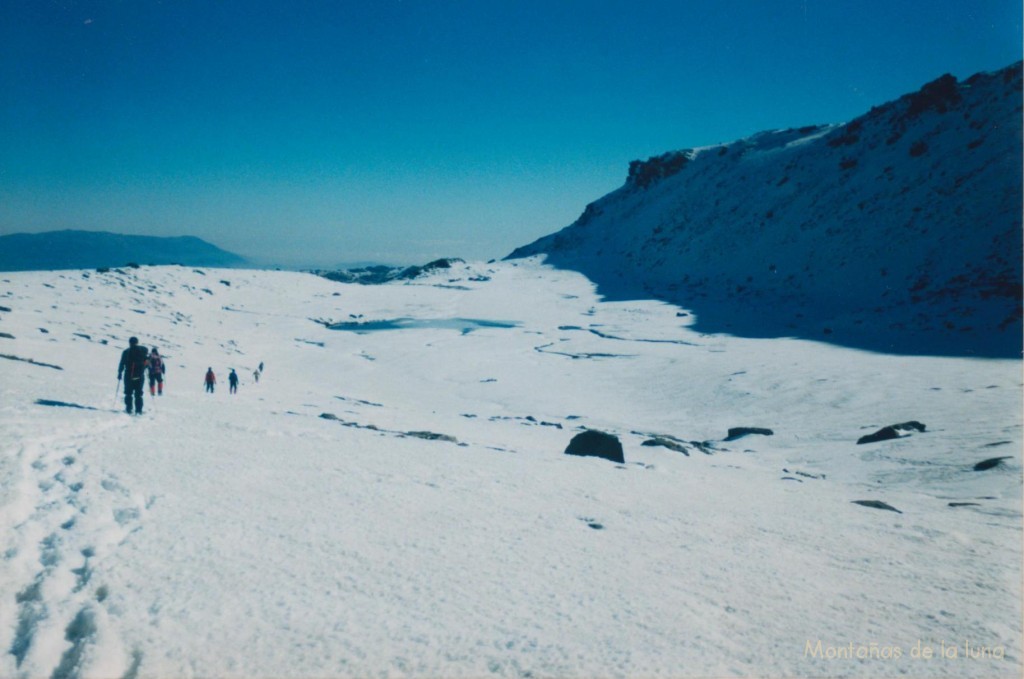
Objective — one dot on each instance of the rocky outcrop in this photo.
(918, 201)
(380, 274)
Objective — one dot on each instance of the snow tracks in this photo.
(56, 612)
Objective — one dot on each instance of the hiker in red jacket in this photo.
(156, 373)
(211, 380)
(134, 361)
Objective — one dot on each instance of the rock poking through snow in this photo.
(592, 443)
(740, 432)
(876, 504)
(893, 431)
(990, 463)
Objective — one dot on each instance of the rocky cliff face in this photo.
(897, 231)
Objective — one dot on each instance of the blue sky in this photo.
(403, 130)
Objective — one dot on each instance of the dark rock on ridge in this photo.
(891, 432)
(677, 444)
(659, 441)
(876, 504)
(431, 436)
(990, 463)
(739, 432)
(592, 443)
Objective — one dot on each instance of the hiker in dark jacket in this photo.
(156, 373)
(134, 360)
(233, 381)
(211, 380)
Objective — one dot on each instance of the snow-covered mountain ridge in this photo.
(898, 231)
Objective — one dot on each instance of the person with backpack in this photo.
(156, 373)
(211, 380)
(233, 381)
(134, 361)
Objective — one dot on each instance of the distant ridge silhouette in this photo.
(71, 249)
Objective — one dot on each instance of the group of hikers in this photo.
(211, 379)
(138, 363)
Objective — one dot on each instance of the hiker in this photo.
(133, 367)
(156, 373)
(211, 380)
(233, 381)
(261, 367)
(256, 376)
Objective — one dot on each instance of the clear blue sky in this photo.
(315, 132)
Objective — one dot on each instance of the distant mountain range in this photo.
(899, 231)
(92, 249)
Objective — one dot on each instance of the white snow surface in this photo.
(222, 535)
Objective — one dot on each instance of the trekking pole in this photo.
(117, 390)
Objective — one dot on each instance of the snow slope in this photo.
(899, 231)
(300, 528)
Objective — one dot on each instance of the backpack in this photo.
(135, 361)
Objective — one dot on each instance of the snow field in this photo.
(245, 535)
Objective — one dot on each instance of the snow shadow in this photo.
(62, 404)
(908, 330)
(465, 325)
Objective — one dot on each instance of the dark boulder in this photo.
(740, 432)
(893, 431)
(593, 443)
(990, 463)
(883, 434)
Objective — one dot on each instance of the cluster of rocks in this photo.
(593, 443)
(426, 435)
(380, 274)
